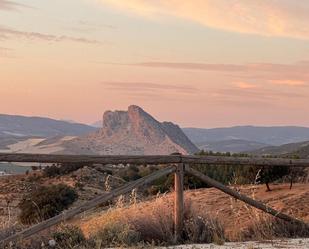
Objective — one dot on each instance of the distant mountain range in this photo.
(136, 132)
(275, 135)
(131, 132)
(293, 149)
(233, 145)
(21, 126)
(279, 141)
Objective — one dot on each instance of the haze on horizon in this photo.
(198, 63)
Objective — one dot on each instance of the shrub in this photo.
(34, 168)
(133, 226)
(203, 230)
(62, 169)
(68, 236)
(45, 202)
(116, 234)
(267, 227)
(130, 173)
(51, 171)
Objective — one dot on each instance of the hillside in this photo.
(293, 149)
(21, 126)
(266, 135)
(132, 132)
(233, 146)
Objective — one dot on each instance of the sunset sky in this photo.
(199, 63)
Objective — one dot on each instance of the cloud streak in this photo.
(192, 66)
(256, 93)
(147, 86)
(297, 68)
(289, 82)
(10, 5)
(282, 18)
(7, 33)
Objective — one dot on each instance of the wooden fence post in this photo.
(179, 202)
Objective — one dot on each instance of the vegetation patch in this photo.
(45, 202)
(133, 227)
(267, 227)
(68, 236)
(61, 169)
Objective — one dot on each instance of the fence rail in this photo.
(178, 164)
(160, 159)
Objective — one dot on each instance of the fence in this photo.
(177, 164)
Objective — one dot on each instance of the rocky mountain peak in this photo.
(135, 109)
(136, 132)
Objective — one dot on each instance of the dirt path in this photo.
(275, 244)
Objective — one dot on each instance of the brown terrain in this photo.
(88, 181)
(234, 215)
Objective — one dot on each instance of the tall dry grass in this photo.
(152, 224)
(262, 226)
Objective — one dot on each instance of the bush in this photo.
(158, 227)
(130, 173)
(45, 202)
(68, 236)
(203, 230)
(116, 234)
(51, 171)
(62, 169)
(133, 226)
(267, 227)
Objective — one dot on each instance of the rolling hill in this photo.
(233, 145)
(245, 138)
(300, 150)
(22, 126)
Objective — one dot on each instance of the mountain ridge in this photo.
(19, 126)
(300, 150)
(271, 135)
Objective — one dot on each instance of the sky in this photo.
(199, 63)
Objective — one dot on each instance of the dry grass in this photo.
(236, 216)
(266, 227)
(134, 223)
(152, 225)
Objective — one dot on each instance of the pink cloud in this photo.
(297, 68)
(192, 66)
(150, 87)
(245, 85)
(289, 82)
(284, 18)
